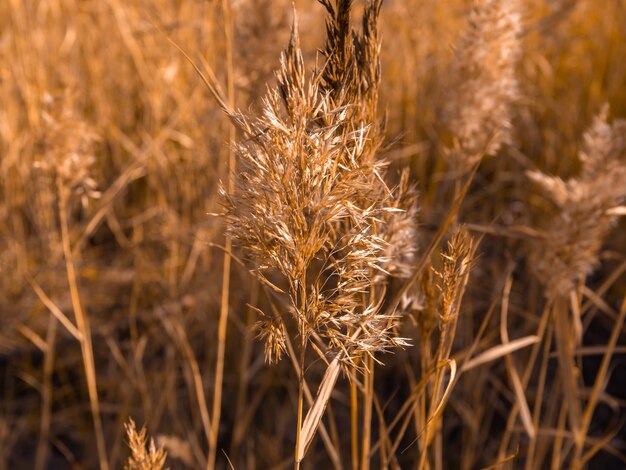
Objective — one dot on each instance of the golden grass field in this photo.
(340, 234)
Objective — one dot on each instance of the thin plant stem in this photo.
(82, 321)
(557, 448)
(368, 393)
(565, 351)
(332, 452)
(303, 342)
(43, 446)
(354, 423)
(530, 365)
(224, 304)
(300, 405)
(428, 436)
(244, 367)
(597, 386)
(540, 395)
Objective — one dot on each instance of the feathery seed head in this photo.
(67, 148)
(485, 86)
(143, 457)
(588, 207)
(310, 201)
(457, 262)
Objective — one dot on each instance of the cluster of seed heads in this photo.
(311, 208)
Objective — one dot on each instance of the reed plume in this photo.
(484, 86)
(310, 200)
(66, 145)
(311, 208)
(587, 208)
(450, 281)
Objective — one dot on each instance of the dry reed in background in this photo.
(480, 325)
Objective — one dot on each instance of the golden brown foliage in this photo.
(503, 283)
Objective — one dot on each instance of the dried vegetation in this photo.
(338, 234)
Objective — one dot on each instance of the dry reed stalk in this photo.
(587, 209)
(541, 389)
(310, 203)
(451, 282)
(368, 401)
(516, 382)
(224, 304)
(561, 427)
(354, 425)
(244, 371)
(579, 460)
(179, 336)
(331, 447)
(43, 445)
(83, 324)
(67, 144)
(534, 355)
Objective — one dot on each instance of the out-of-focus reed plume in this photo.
(484, 84)
(588, 207)
(66, 143)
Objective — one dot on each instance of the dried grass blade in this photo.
(56, 311)
(516, 382)
(179, 336)
(601, 377)
(315, 413)
(446, 394)
(442, 403)
(332, 450)
(518, 388)
(499, 351)
(508, 458)
(565, 346)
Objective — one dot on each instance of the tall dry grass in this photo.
(349, 234)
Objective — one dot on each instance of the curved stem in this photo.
(82, 321)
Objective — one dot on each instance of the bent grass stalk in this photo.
(82, 322)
